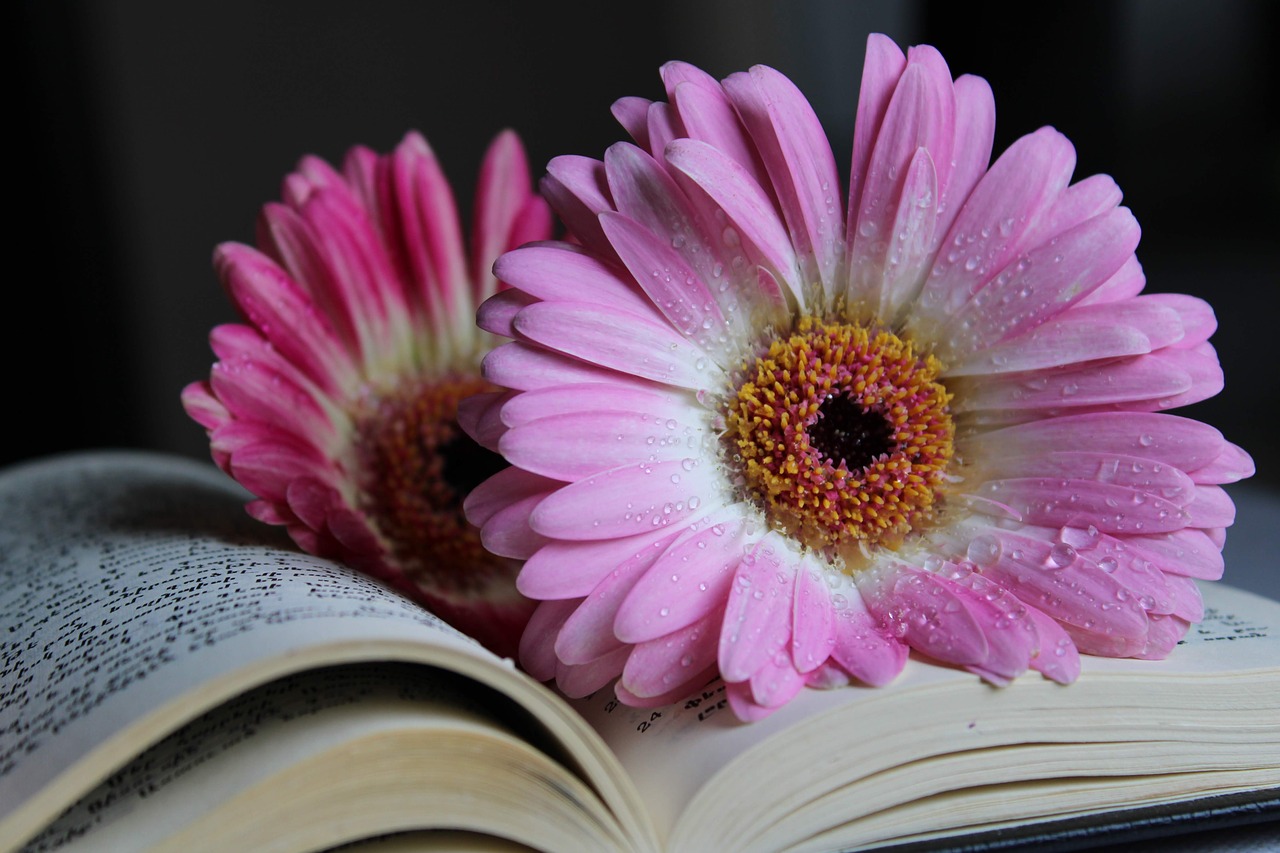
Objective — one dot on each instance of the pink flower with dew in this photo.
(758, 434)
(335, 402)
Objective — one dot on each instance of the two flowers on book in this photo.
(731, 424)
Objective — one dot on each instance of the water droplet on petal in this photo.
(1061, 555)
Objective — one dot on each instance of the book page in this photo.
(130, 580)
(674, 753)
(308, 750)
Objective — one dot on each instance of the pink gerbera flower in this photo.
(758, 435)
(335, 402)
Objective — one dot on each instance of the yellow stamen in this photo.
(843, 433)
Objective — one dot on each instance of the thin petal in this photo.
(757, 621)
(799, 162)
(687, 583)
(619, 502)
(642, 346)
(658, 666)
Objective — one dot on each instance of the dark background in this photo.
(148, 131)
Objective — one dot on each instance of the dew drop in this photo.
(1061, 555)
(984, 551)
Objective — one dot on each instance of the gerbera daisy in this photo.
(760, 434)
(335, 402)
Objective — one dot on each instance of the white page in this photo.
(128, 580)
(672, 753)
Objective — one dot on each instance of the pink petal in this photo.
(507, 532)
(1230, 466)
(757, 620)
(1078, 594)
(1165, 633)
(1110, 507)
(266, 469)
(634, 344)
(1083, 333)
(664, 126)
(633, 114)
(1212, 507)
(862, 648)
(797, 157)
(1078, 203)
(274, 303)
(202, 406)
(776, 682)
(1043, 282)
(1200, 363)
(679, 693)
(881, 70)
(541, 403)
(813, 620)
(1171, 440)
(1058, 658)
(479, 416)
(523, 366)
(909, 241)
(1186, 552)
(1188, 603)
(686, 584)
(1128, 471)
(678, 290)
(423, 225)
(588, 633)
(290, 241)
(498, 312)
(910, 162)
(743, 703)
(312, 500)
(584, 679)
(1141, 378)
(575, 188)
(974, 135)
(572, 446)
(1198, 320)
(1126, 283)
(560, 272)
(748, 210)
(503, 489)
(253, 391)
(987, 231)
(658, 666)
(927, 614)
(573, 569)
(619, 502)
(708, 116)
(537, 644)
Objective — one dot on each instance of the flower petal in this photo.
(799, 162)
(757, 619)
(687, 583)
(624, 501)
(631, 343)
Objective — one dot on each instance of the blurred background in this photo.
(150, 130)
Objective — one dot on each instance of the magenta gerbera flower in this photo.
(762, 434)
(335, 402)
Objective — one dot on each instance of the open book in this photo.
(177, 677)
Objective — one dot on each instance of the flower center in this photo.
(416, 467)
(842, 435)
